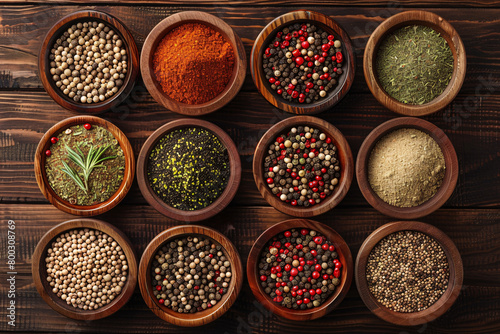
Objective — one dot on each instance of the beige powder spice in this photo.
(406, 167)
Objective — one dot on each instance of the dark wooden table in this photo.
(471, 217)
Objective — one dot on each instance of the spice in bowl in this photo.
(193, 63)
(406, 167)
(84, 164)
(88, 62)
(190, 274)
(86, 268)
(299, 269)
(188, 168)
(407, 271)
(302, 166)
(303, 63)
(414, 64)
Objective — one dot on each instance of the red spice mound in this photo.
(193, 63)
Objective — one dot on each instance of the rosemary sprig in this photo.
(85, 163)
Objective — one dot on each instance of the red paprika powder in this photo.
(193, 63)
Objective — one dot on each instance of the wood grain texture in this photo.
(448, 183)
(155, 37)
(328, 305)
(474, 232)
(196, 215)
(199, 318)
(39, 270)
(415, 17)
(442, 305)
(344, 157)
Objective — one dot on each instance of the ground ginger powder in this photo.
(406, 167)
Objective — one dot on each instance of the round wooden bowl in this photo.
(44, 63)
(266, 36)
(220, 203)
(415, 17)
(198, 318)
(435, 310)
(315, 312)
(87, 210)
(155, 37)
(39, 271)
(344, 156)
(450, 176)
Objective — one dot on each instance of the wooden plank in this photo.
(22, 29)
(25, 116)
(475, 232)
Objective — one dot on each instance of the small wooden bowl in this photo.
(415, 17)
(344, 156)
(266, 36)
(316, 312)
(44, 63)
(198, 318)
(39, 271)
(435, 310)
(88, 210)
(450, 176)
(155, 37)
(220, 203)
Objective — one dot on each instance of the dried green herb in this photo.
(414, 64)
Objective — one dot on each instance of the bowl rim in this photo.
(84, 210)
(447, 186)
(157, 34)
(333, 301)
(196, 215)
(345, 157)
(327, 23)
(132, 53)
(436, 309)
(447, 31)
(205, 316)
(56, 303)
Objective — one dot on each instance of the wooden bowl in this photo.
(267, 35)
(198, 318)
(196, 215)
(80, 210)
(344, 156)
(39, 271)
(415, 17)
(44, 62)
(315, 312)
(435, 310)
(155, 37)
(450, 176)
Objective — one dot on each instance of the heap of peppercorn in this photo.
(302, 63)
(299, 269)
(302, 167)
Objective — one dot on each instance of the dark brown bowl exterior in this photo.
(435, 310)
(155, 37)
(220, 203)
(198, 318)
(44, 63)
(450, 176)
(300, 315)
(39, 272)
(418, 17)
(345, 158)
(89, 210)
(267, 34)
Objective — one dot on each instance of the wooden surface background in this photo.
(471, 217)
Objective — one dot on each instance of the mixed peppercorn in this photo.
(303, 62)
(299, 269)
(301, 166)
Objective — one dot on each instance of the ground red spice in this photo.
(193, 63)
